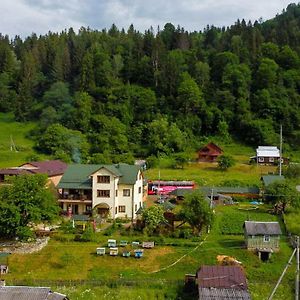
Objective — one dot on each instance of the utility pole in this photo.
(211, 198)
(281, 276)
(297, 271)
(280, 152)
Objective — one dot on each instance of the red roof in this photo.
(221, 277)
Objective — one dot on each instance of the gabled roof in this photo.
(29, 293)
(231, 277)
(223, 294)
(49, 167)
(211, 149)
(77, 176)
(268, 179)
(267, 151)
(262, 228)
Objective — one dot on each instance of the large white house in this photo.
(114, 191)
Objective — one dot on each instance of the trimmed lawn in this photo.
(108, 277)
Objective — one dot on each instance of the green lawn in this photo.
(116, 277)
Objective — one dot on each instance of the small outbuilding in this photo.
(209, 153)
(222, 282)
(268, 155)
(262, 237)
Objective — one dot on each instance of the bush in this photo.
(88, 235)
(67, 227)
(24, 234)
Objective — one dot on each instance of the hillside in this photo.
(16, 134)
(111, 95)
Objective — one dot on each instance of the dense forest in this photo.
(102, 96)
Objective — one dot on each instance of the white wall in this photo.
(112, 186)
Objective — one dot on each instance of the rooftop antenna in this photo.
(12, 145)
(280, 152)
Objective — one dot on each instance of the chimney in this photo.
(2, 282)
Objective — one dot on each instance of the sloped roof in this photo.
(262, 228)
(267, 151)
(49, 167)
(231, 277)
(223, 294)
(230, 190)
(217, 190)
(211, 149)
(77, 176)
(268, 179)
(29, 293)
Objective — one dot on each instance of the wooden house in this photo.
(262, 237)
(222, 282)
(268, 155)
(209, 153)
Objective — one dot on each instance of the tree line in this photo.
(109, 95)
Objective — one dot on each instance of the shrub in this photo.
(88, 235)
(24, 233)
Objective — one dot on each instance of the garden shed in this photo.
(262, 237)
(222, 282)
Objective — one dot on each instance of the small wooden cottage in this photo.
(262, 237)
(209, 153)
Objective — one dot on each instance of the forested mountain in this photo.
(107, 95)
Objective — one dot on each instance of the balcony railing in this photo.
(75, 197)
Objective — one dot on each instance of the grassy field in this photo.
(208, 174)
(108, 277)
(19, 133)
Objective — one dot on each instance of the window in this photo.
(116, 193)
(103, 193)
(266, 238)
(122, 208)
(103, 179)
(261, 159)
(116, 210)
(88, 208)
(140, 190)
(271, 159)
(126, 192)
(135, 207)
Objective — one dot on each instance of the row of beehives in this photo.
(114, 250)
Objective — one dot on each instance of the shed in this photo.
(222, 283)
(32, 293)
(262, 237)
(209, 153)
(269, 179)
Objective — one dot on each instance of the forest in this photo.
(103, 96)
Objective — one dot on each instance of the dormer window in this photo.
(103, 179)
